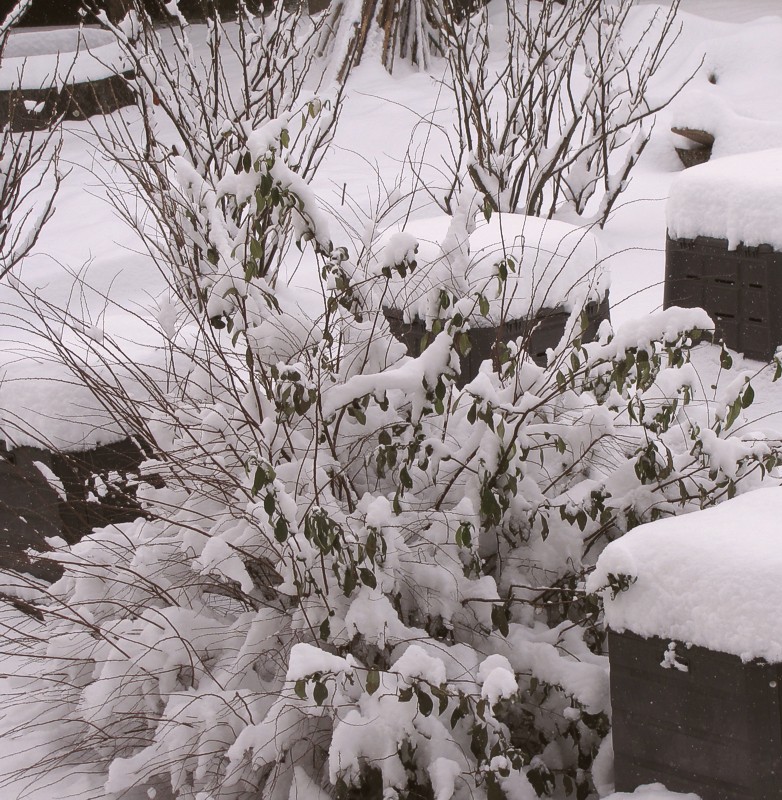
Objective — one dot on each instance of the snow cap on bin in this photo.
(712, 578)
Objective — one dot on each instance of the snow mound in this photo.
(709, 578)
(736, 198)
(735, 95)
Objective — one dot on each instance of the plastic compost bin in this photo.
(740, 289)
(695, 720)
(544, 330)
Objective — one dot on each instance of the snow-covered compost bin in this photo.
(724, 248)
(69, 73)
(695, 648)
(551, 267)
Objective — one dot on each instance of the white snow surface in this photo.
(737, 198)
(708, 579)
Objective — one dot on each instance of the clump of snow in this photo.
(443, 773)
(51, 479)
(305, 660)
(736, 198)
(416, 664)
(496, 675)
(550, 263)
(709, 578)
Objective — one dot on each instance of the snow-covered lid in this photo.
(712, 578)
(737, 198)
(554, 264)
(43, 58)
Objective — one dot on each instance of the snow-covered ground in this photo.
(89, 262)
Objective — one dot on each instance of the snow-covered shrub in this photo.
(27, 162)
(352, 577)
(208, 123)
(563, 117)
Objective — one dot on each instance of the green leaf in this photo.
(320, 693)
(325, 630)
(269, 504)
(406, 695)
(368, 578)
(499, 618)
(373, 681)
(733, 412)
(726, 361)
(464, 535)
(281, 530)
(478, 742)
(285, 138)
(459, 713)
(442, 697)
(425, 703)
(371, 545)
(748, 396)
(487, 209)
(349, 584)
(301, 689)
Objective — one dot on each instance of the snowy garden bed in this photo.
(66, 72)
(552, 269)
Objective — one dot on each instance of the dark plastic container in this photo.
(712, 725)
(542, 331)
(740, 289)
